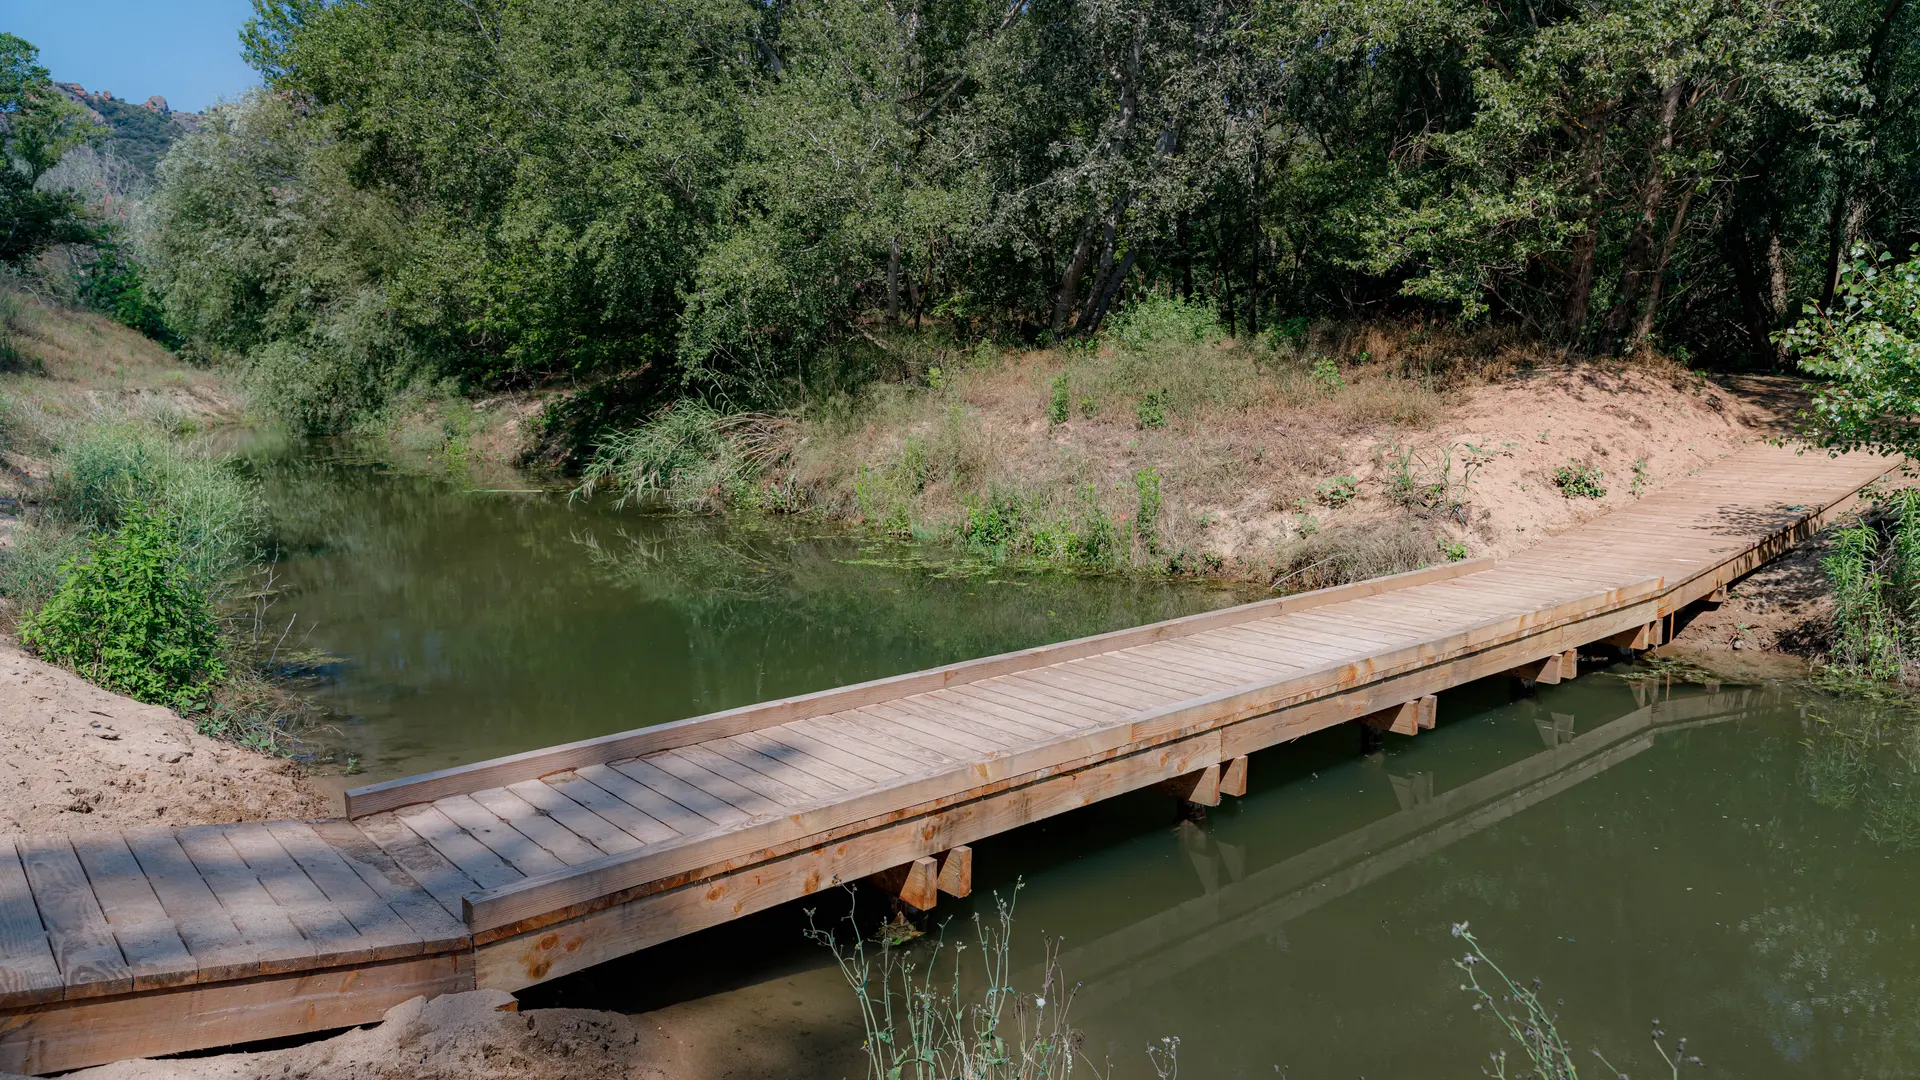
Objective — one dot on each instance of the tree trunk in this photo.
(1573, 313)
(1070, 281)
(1748, 283)
(1651, 309)
(1636, 265)
(893, 284)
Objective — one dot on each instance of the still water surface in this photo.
(1738, 864)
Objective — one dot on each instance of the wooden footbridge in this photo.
(513, 871)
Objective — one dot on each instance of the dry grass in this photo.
(1447, 439)
(1249, 429)
(70, 368)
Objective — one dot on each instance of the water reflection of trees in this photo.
(1864, 756)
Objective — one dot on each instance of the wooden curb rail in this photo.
(501, 771)
(615, 874)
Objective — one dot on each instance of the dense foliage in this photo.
(38, 125)
(745, 199)
(130, 618)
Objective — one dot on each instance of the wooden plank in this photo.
(711, 807)
(154, 953)
(675, 764)
(643, 827)
(524, 818)
(346, 892)
(514, 847)
(414, 856)
(772, 791)
(1200, 787)
(28, 972)
(72, 1035)
(650, 802)
(82, 942)
(533, 764)
(807, 763)
(915, 884)
(900, 738)
(575, 818)
(454, 843)
(220, 949)
(778, 772)
(333, 938)
(517, 962)
(401, 890)
(902, 760)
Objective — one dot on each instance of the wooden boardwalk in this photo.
(510, 872)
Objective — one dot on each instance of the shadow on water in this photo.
(1738, 863)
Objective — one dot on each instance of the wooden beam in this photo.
(956, 871)
(1640, 637)
(499, 772)
(1548, 670)
(1406, 718)
(58, 1036)
(1233, 778)
(915, 884)
(1202, 787)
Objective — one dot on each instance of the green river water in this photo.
(1737, 863)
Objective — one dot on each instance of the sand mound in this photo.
(78, 757)
(471, 1036)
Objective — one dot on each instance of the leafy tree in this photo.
(1865, 350)
(38, 126)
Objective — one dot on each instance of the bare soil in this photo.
(81, 757)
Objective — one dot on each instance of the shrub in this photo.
(1158, 320)
(689, 454)
(1578, 480)
(1058, 399)
(1326, 374)
(1151, 410)
(130, 619)
(1146, 515)
(213, 513)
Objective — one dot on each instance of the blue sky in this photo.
(187, 51)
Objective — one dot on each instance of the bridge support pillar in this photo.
(1409, 718)
(1552, 669)
(918, 884)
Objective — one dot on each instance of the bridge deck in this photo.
(509, 872)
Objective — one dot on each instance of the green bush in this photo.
(1158, 319)
(683, 455)
(1061, 393)
(213, 512)
(1578, 480)
(130, 619)
(1151, 410)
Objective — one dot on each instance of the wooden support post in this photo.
(1199, 788)
(1550, 670)
(915, 884)
(1640, 637)
(1233, 779)
(1405, 719)
(1717, 596)
(956, 871)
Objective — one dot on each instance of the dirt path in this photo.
(79, 757)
